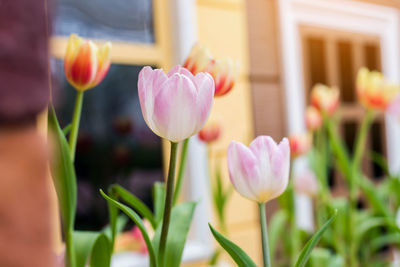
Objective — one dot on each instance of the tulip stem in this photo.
(168, 204)
(73, 136)
(181, 170)
(264, 235)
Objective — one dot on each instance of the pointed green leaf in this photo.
(135, 203)
(138, 221)
(101, 252)
(237, 254)
(63, 172)
(181, 218)
(84, 241)
(305, 253)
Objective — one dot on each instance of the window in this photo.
(333, 58)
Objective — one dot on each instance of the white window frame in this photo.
(345, 15)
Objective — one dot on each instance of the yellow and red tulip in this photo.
(300, 144)
(313, 118)
(210, 133)
(224, 74)
(199, 60)
(224, 71)
(85, 64)
(374, 91)
(324, 98)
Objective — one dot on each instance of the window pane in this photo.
(123, 20)
(114, 143)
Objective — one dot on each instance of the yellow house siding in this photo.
(223, 29)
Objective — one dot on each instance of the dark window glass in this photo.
(347, 79)
(124, 20)
(377, 138)
(114, 143)
(316, 51)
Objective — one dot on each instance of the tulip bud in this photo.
(224, 74)
(210, 132)
(306, 183)
(199, 60)
(176, 105)
(374, 91)
(324, 98)
(300, 144)
(259, 172)
(313, 118)
(85, 65)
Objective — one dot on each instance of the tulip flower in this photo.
(223, 71)
(324, 98)
(300, 144)
(176, 105)
(259, 172)
(313, 118)
(199, 60)
(374, 91)
(306, 183)
(210, 132)
(85, 64)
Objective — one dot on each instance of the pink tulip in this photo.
(175, 105)
(259, 172)
(313, 118)
(306, 183)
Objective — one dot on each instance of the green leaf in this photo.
(101, 252)
(181, 217)
(135, 203)
(384, 240)
(158, 199)
(305, 253)
(67, 129)
(138, 221)
(84, 241)
(237, 254)
(63, 172)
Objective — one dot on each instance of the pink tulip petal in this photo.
(175, 108)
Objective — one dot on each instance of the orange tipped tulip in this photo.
(199, 60)
(210, 132)
(224, 72)
(85, 64)
(313, 118)
(300, 144)
(324, 98)
(374, 91)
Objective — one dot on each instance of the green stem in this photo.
(75, 123)
(69, 248)
(353, 184)
(264, 234)
(181, 171)
(168, 204)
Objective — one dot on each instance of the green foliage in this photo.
(134, 202)
(237, 254)
(181, 218)
(138, 221)
(306, 251)
(63, 172)
(101, 252)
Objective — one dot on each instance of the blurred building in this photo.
(283, 46)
